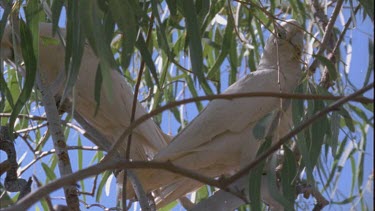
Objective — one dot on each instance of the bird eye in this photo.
(281, 34)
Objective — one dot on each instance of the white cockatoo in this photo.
(114, 113)
(220, 139)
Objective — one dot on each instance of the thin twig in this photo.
(327, 33)
(346, 26)
(49, 152)
(134, 107)
(93, 188)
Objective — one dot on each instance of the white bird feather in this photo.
(220, 139)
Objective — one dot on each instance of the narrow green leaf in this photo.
(203, 7)
(98, 87)
(123, 13)
(4, 88)
(273, 187)
(194, 39)
(146, 56)
(49, 172)
(330, 66)
(368, 6)
(318, 130)
(225, 47)
(259, 130)
(75, 42)
(193, 92)
(201, 194)
(102, 183)
(80, 165)
(345, 201)
(161, 31)
(233, 61)
(108, 185)
(169, 206)
(348, 119)
(255, 178)
(172, 6)
(31, 64)
(56, 12)
(288, 174)
(370, 67)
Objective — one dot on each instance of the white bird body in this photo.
(114, 112)
(220, 139)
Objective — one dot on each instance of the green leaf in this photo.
(201, 194)
(318, 131)
(255, 178)
(370, 67)
(30, 63)
(169, 206)
(233, 61)
(348, 119)
(330, 66)
(345, 201)
(288, 174)
(49, 172)
(98, 87)
(259, 130)
(225, 47)
(102, 183)
(4, 88)
(56, 12)
(273, 187)
(123, 13)
(194, 39)
(194, 92)
(46, 41)
(75, 42)
(368, 6)
(146, 56)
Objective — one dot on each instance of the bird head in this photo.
(284, 44)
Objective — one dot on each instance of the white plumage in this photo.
(114, 112)
(220, 139)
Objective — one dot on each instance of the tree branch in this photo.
(58, 138)
(327, 34)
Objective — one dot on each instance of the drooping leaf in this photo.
(123, 13)
(255, 178)
(31, 64)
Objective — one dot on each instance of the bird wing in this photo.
(116, 98)
(221, 116)
(221, 136)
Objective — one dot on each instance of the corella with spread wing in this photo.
(220, 139)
